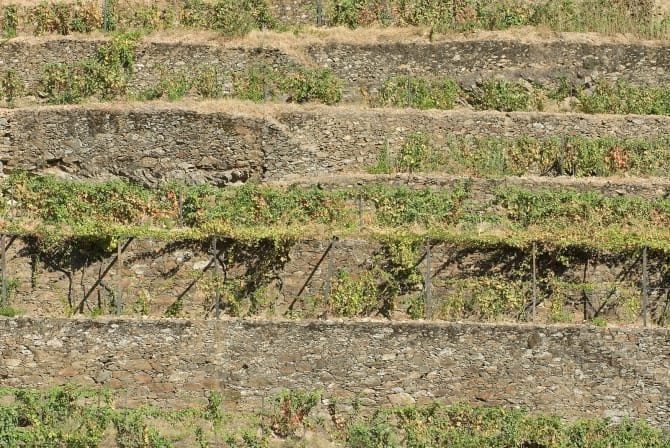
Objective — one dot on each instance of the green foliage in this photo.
(609, 97)
(486, 298)
(375, 432)
(466, 426)
(106, 76)
(385, 164)
(504, 15)
(305, 84)
(208, 83)
(416, 307)
(618, 97)
(581, 156)
(91, 215)
(259, 205)
(396, 266)
(505, 96)
(11, 85)
(118, 52)
(172, 86)
(50, 18)
(414, 151)
(619, 16)
(56, 417)
(9, 311)
(295, 84)
(133, 432)
(213, 411)
(599, 321)
(568, 208)
(354, 297)
(10, 21)
(397, 206)
(557, 298)
(348, 12)
(565, 15)
(290, 409)
(175, 308)
(231, 17)
(74, 202)
(204, 81)
(623, 98)
(419, 93)
(72, 416)
(63, 18)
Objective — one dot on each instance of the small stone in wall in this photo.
(401, 399)
(54, 343)
(182, 256)
(200, 265)
(534, 340)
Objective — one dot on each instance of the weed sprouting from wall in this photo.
(11, 86)
(497, 157)
(77, 416)
(106, 76)
(604, 96)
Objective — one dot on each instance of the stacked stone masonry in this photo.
(223, 142)
(364, 67)
(571, 371)
(156, 274)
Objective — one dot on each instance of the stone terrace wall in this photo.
(156, 274)
(152, 59)
(222, 142)
(360, 135)
(471, 61)
(571, 371)
(138, 143)
(366, 66)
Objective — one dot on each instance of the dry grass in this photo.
(235, 106)
(294, 42)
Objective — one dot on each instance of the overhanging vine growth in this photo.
(50, 209)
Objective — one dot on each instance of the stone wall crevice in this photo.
(571, 371)
(223, 142)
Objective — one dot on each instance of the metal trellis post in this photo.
(360, 207)
(429, 311)
(180, 206)
(329, 275)
(105, 20)
(217, 291)
(3, 249)
(409, 90)
(319, 13)
(534, 279)
(119, 260)
(645, 286)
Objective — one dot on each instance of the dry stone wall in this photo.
(571, 371)
(364, 67)
(224, 142)
(152, 60)
(361, 136)
(472, 61)
(140, 144)
(158, 275)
